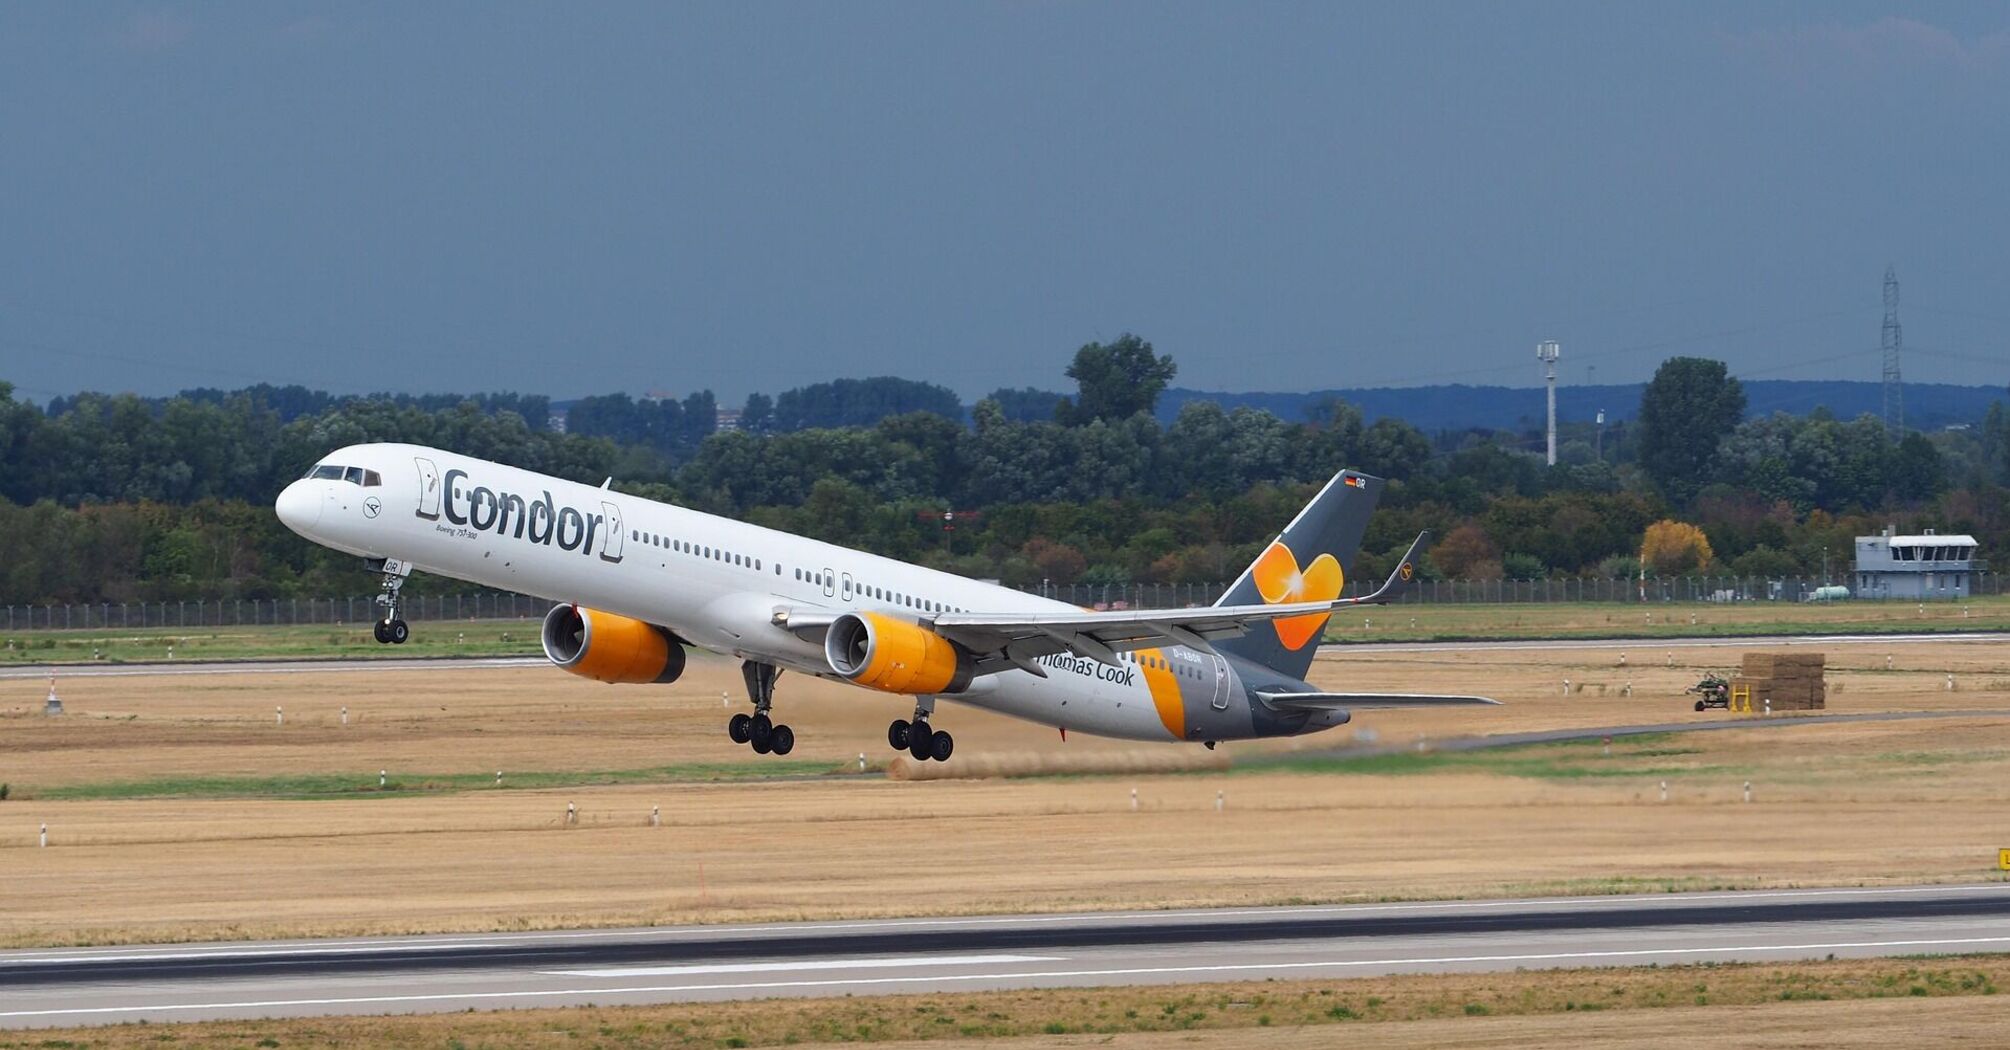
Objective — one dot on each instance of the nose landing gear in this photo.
(390, 628)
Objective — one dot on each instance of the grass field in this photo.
(1877, 1003)
(1389, 624)
(179, 808)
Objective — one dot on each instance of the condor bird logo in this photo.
(1280, 581)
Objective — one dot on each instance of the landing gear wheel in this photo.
(897, 734)
(383, 637)
(737, 728)
(783, 741)
(919, 742)
(397, 632)
(940, 745)
(761, 734)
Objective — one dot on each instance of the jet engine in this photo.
(610, 648)
(900, 657)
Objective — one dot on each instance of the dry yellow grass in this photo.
(1874, 802)
(1851, 1003)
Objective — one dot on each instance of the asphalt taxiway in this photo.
(55, 987)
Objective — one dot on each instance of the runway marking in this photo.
(1135, 971)
(869, 963)
(225, 951)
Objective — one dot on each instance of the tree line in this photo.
(118, 498)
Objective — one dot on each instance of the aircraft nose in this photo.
(299, 506)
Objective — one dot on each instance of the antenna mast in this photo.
(1893, 342)
(1547, 353)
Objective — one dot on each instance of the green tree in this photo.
(758, 415)
(1686, 411)
(1916, 469)
(1115, 381)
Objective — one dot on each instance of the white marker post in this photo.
(1950, 682)
(1664, 791)
(1220, 800)
(571, 813)
(498, 778)
(345, 714)
(1748, 791)
(861, 761)
(1566, 687)
(381, 774)
(45, 836)
(1887, 661)
(1134, 800)
(655, 816)
(1671, 658)
(278, 715)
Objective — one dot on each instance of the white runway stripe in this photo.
(868, 963)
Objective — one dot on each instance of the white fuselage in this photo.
(715, 582)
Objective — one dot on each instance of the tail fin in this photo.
(1309, 561)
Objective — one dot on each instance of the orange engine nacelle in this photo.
(610, 648)
(897, 656)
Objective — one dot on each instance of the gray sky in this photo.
(584, 198)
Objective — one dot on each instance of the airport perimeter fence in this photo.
(269, 612)
(492, 605)
(1502, 592)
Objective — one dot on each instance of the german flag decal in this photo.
(1354, 482)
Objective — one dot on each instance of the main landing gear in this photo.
(916, 738)
(390, 628)
(758, 730)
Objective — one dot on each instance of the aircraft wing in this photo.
(1006, 640)
(1366, 701)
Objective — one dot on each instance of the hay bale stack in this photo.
(1786, 681)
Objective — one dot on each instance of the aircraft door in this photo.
(613, 537)
(429, 488)
(830, 584)
(1220, 681)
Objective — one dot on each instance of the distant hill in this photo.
(1457, 406)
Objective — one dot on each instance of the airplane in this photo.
(636, 581)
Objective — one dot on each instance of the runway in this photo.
(58, 987)
(1327, 651)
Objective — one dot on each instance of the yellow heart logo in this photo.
(1280, 581)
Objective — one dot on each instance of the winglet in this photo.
(1400, 580)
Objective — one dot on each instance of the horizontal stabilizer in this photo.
(1366, 701)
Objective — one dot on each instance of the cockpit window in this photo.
(354, 475)
(327, 472)
(371, 479)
